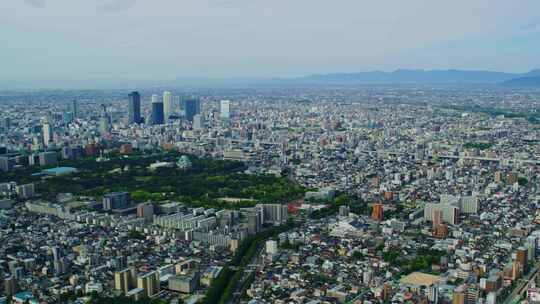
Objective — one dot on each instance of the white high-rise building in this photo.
(225, 109)
(47, 133)
(155, 98)
(167, 105)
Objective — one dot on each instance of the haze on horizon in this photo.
(165, 39)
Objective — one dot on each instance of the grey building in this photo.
(116, 200)
(134, 108)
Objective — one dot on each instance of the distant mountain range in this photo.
(530, 81)
(425, 76)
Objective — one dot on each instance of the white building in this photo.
(225, 109)
(271, 247)
(167, 105)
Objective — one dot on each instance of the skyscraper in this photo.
(157, 111)
(104, 121)
(167, 105)
(134, 108)
(75, 108)
(47, 133)
(192, 107)
(225, 109)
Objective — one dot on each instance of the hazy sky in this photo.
(145, 39)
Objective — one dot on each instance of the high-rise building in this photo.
(469, 204)
(149, 282)
(47, 134)
(157, 111)
(198, 122)
(273, 213)
(167, 105)
(145, 210)
(122, 280)
(134, 108)
(104, 122)
(378, 213)
(116, 200)
(225, 109)
(75, 108)
(437, 218)
(192, 107)
(521, 258)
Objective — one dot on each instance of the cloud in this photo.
(115, 6)
(36, 3)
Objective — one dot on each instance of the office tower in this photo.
(145, 210)
(176, 104)
(47, 133)
(378, 213)
(192, 107)
(157, 112)
(116, 200)
(75, 108)
(198, 122)
(104, 121)
(167, 105)
(157, 116)
(225, 109)
(134, 108)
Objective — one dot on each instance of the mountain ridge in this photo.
(421, 76)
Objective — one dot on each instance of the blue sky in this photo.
(164, 39)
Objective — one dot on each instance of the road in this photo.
(515, 296)
(253, 263)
